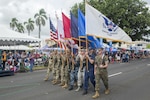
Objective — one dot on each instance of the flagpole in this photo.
(79, 44)
(79, 37)
(85, 1)
(57, 29)
(72, 52)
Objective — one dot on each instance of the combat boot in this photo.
(107, 91)
(70, 88)
(65, 86)
(56, 82)
(46, 79)
(96, 95)
(62, 84)
(53, 80)
(85, 92)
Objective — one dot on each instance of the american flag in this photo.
(53, 32)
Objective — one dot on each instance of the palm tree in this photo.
(13, 23)
(29, 25)
(20, 28)
(40, 19)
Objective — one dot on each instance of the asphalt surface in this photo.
(128, 81)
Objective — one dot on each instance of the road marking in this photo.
(11, 81)
(148, 64)
(115, 74)
(43, 70)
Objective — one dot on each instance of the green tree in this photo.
(131, 15)
(20, 28)
(13, 23)
(29, 25)
(40, 19)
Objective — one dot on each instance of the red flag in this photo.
(62, 45)
(66, 23)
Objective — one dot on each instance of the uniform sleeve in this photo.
(106, 59)
(95, 61)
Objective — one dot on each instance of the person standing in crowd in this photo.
(118, 58)
(31, 61)
(4, 59)
(100, 71)
(89, 70)
(22, 64)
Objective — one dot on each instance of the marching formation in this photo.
(69, 69)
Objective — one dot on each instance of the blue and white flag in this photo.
(100, 26)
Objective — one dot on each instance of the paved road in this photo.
(128, 81)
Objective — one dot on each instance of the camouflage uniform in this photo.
(100, 73)
(57, 68)
(67, 69)
(49, 68)
(63, 64)
(54, 61)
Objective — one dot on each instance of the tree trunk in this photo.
(39, 31)
(28, 32)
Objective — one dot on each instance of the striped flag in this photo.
(53, 32)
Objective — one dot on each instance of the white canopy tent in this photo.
(17, 47)
(9, 37)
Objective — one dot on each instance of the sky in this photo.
(24, 9)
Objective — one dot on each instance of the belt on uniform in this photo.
(102, 68)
